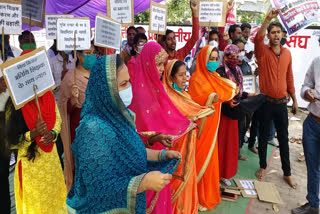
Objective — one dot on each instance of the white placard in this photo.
(249, 84)
(35, 9)
(51, 24)
(65, 33)
(10, 17)
(22, 75)
(158, 18)
(210, 11)
(107, 33)
(121, 11)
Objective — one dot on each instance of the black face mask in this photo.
(283, 41)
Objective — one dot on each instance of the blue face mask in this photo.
(89, 61)
(67, 52)
(212, 66)
(126, 96)
(176, 87)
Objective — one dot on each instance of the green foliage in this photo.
(142, 17)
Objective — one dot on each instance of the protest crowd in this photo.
(134, 131)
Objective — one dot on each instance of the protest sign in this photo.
(51, 24)
(107, 33)
(22, 73)
(10, 16)
(296, 15)
(121, 11)
(212, 13)
(66, 30)
(158, 18)
(249, 83)
(34, 10)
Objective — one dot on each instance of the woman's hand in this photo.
(233, 103)
(75, 95)
(40, 129)
(47, 138)
(252, 94)
(170, 154)
(165, 140)
(154, 181)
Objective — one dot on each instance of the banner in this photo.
(297, 14)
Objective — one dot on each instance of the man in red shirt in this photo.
(275, 81)
(170, 37)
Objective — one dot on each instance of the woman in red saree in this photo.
(202, 83)
(184, 181)
(155, 112)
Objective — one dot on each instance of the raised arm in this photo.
(272, 14)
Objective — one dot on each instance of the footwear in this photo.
(305, 209)
(226, 181)
(273, 142)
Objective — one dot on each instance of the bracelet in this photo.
(163, 152)
(54, 135)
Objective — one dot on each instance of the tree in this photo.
(142, 17)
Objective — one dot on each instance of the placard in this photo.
(107, 32)
(21, 73)
(121, 11)
(34, 9)
(249, 84)
(212, 13)
(51, 24)
(10, 16)
(66, 27)
(158, 18)
(247, 187)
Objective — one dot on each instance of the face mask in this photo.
(28, 47)
(176, 87)
(232, 63)
(212, 66)
(126, 96)
(283, 41)
(241, 55)
(89, 61)
(139, 49)
(246, 59)
(214, 43)
(67, 52)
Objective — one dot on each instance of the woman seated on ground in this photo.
(111, 168)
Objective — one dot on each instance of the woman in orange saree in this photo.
(184, 181)
(203, 82)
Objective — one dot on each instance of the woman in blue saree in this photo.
(111, 167)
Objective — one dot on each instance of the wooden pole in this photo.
(213, 98)
(36, 98)
(3, 55)
(74, 57)
(30, 30)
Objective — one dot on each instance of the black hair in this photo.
(137, 37)
(284, 30)
(168, 31)
(214, 31)
(176, 67)
(233, 29)
(237, 41)
(15, 130)
(132, 28)
(119, 61)
(245, 25)
(142, 28)
(274, 24)
(26, 35)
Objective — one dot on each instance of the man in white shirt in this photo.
(310, 92)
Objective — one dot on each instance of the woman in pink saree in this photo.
(155, 112)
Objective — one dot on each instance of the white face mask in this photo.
(241, 55)
(126, 96)
(214, 44)
(139, 49)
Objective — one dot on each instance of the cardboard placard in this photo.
(21, 73)
(249, 84)
(34, 9)
(51, 24)
(66, 27)
(268, 192)
(107, 32)
(11, 16)
(248, 190)
(158, 18)
(212, 13)
(121, 11)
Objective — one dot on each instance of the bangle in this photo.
(163, 152)
(27, 137)
(54, 135)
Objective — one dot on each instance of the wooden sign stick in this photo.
(36, 98)
(213, 98)
(3, 55)
(74, 56)
(30, 30)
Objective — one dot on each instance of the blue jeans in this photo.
(311, 147)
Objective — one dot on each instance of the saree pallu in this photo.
(202, 84)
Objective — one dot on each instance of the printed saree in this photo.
(184, 182)
(202, 84)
